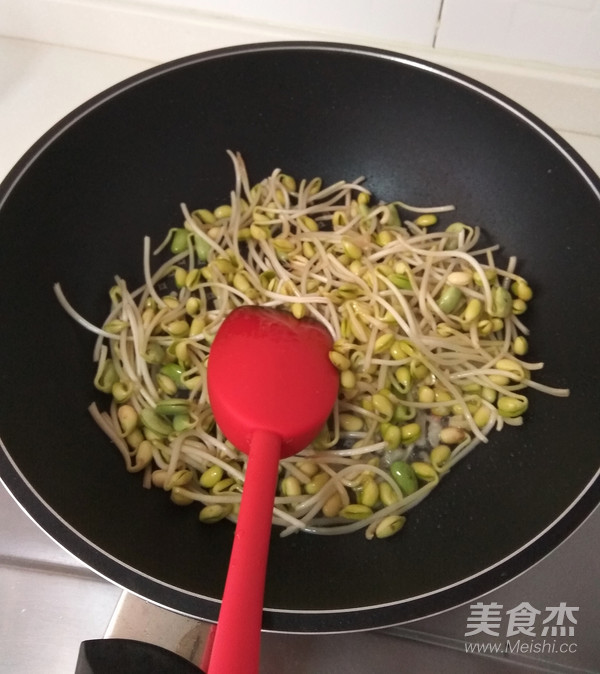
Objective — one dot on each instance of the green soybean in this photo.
(405, 477)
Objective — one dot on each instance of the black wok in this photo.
(76, 207)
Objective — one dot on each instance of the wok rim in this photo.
(295, 621)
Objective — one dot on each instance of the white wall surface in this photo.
(406, 20)
(563, 33)
(558, 32)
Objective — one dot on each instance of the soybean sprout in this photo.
(429, 344)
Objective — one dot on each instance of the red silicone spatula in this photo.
(271, 387)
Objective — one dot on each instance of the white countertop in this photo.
(40, 83)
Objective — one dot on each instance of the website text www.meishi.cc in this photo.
(521, 647)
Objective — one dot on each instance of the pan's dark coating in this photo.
(77, 206)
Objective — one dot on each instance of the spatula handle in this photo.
(236, 647)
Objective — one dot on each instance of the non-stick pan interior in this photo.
(76, 208)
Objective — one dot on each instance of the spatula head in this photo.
(270, 371)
